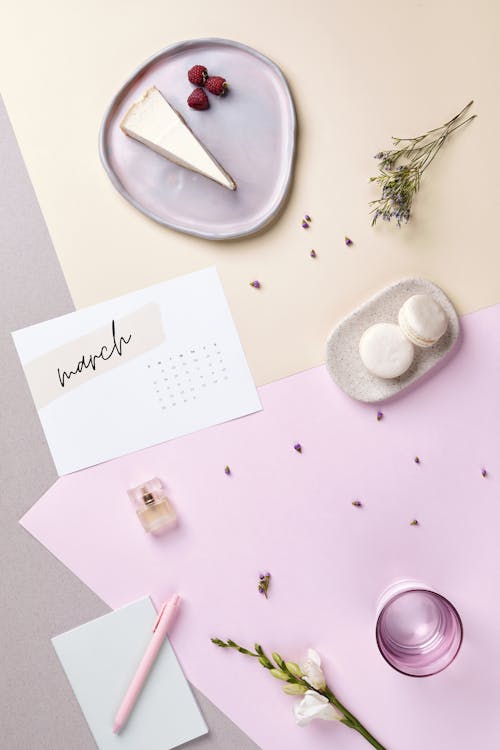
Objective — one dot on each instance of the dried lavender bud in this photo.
(263, 586)
(298, 447)
(414, 522)
(348, 241)
(484, 473)
(313, 253)
(380, 415)
(305, 225)
(227, 471)
(357, 503)
(417, 460)
(307, 218)
(255, 284)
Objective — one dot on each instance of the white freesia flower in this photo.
(312, 672)
(315, 706)
(318, 701)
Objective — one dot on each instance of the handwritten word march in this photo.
(87, 361)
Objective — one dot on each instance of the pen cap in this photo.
(146, 493)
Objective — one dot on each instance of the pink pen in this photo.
(162, 626)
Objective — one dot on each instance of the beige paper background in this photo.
(360, 72)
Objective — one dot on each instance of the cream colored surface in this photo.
(360, 72)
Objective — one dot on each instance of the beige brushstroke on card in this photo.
(62, 370)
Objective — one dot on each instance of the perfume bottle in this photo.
(419, 632)
(152, 506)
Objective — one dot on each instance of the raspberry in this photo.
(198, 99)
(216, 85)
(198, 75)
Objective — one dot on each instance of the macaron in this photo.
(422, 320)
(385, 351)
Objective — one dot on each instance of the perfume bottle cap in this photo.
(146, 493)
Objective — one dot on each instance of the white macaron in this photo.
(422, 320)
(385, 350)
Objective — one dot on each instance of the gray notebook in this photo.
(100, 659)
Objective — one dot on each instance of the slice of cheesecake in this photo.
(155, 123)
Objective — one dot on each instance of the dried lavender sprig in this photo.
(264, 581)
(401, 181)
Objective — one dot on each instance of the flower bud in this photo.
(293, 689)
(278, 659)
(265, 662)
(293, 668)
(279, 674)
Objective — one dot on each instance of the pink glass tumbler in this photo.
(418, 631)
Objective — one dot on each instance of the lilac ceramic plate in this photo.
(250, 131)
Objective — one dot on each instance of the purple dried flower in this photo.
(484, 473)
(357, 503)
(227, 471)
(307, 218)
(348, 241)
(313, 253)
(255, 284)
(298, 447)
(400, 169)
(414, 522)
(263, 586)
(417, 460)
(380, 415)
(305, 225)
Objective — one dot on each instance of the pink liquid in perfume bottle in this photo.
(418, 631)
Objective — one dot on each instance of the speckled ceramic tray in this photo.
(250, 131)
(342, 354)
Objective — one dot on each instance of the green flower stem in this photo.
(354, 723)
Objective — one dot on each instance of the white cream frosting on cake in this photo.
(155, 123)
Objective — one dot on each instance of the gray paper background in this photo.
(39, 597)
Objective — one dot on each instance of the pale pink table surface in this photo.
(291, 514)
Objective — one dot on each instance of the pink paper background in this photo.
(292, 514)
